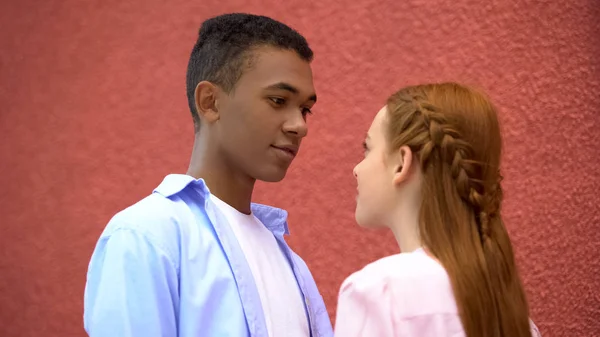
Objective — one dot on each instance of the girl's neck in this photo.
(405, 226)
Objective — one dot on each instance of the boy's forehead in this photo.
(269, 65)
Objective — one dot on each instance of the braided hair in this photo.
(455, 134)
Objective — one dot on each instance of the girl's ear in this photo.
(402, 160)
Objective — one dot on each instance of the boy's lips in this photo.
(289, 149)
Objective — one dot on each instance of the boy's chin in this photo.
(272, 176)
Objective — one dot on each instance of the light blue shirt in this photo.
(171, 266)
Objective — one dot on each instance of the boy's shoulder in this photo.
(159, 213)
(152, 213)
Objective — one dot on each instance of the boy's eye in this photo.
(277, 100)
(306, 111)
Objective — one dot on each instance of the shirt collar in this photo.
(275, 219)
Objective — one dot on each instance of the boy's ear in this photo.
(206, 97)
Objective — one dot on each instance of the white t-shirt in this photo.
(280, 296)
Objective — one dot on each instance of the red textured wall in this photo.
(94, 114)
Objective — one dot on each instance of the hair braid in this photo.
(455, 135)
(444, 139)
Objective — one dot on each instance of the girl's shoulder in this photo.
(415, 282)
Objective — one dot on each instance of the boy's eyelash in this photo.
(277, 100)
(282, 101)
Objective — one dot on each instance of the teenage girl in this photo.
(431, 174)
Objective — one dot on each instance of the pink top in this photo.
(385, 300)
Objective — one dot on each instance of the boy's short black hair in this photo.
(222, 51)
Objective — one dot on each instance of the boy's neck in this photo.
(223, 182)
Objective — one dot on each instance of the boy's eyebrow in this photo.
(290, 88)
